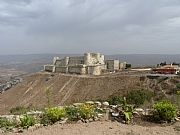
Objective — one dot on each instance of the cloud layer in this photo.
(76, 26)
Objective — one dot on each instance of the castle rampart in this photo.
(90, 63)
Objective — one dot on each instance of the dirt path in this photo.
(103, 128)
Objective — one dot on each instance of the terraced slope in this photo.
(61, 89)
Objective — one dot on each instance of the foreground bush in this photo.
(116, 100)
(54, 114)
(7, 124)
(138, 97)
(178, 85)
(178, 99)
(87, 111)
(72, 113)
(164, 110)
(127, 111)
(27, 121)
(45, 121)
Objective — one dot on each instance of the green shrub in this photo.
(127, 111)
(19, 110)
(178, 99)
(72, 112)
(178, 85)
(128, 114)
(45, 121)
(138, 97)
(178, 92)
(115, 100)
(164, 110)
(87, 111)
(27, 121)
(7, 124)
(55, 114)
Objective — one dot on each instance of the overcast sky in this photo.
(77, 26)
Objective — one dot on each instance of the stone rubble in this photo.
(98, 104)
(177, 119)
(90, 102)
(36, 113)
(77, 104)
(107, 112)
(105, 104)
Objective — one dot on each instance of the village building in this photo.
(167, 69)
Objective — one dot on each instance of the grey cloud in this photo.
(82, 16)
(17, 2)
(110, 26)
(17, 12)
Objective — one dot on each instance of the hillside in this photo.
(36, 89)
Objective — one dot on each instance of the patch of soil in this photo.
(104, 128)
(147, 121)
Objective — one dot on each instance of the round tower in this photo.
(87, 58)
(66, 61)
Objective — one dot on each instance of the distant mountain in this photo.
(146, 59)
(35, 62)
(28, 63)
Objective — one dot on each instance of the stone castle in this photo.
(89, 63)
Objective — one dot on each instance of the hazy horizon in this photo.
(86, 52)
(134, 59)
(75, 26)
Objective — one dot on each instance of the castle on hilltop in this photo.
(89, 63)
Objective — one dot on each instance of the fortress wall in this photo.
(61, 69)
(93, 58)
(76, 60)
(78, 64)
(122, 65)
(48, 68)
(77, 69)
(58, 62)
(94, 70)
(55, 59)
(104, 66)
(101, 59)
(116, 64)
(62, 62)
(112, 64)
